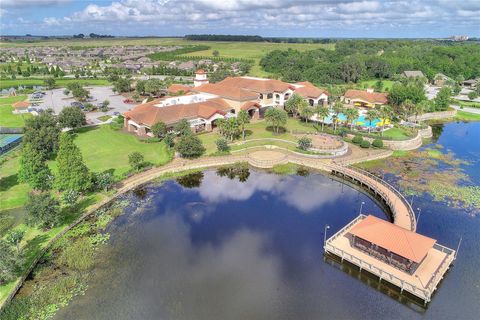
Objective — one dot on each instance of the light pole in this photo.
(325, 235)
(418, 217)
(361, 207)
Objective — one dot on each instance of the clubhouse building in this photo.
(204, 103)
(364, 98)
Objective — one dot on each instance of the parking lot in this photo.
(57, 100)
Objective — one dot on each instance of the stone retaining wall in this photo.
(405, 145)
(434, 115)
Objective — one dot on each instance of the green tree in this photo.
(169, 139)
(183, 127)
(229, 128)
(384, 112)
(401, 92)
(442, 100)
(190, 146)
(153, 86)
(71, 117)
(337, 109)
(136, 160)
(293, 104)
(105, 105)
(14, 238)
(322, 113)
(371, 115)
(8, 263)
(122, 85)
(42, 133)
(159, 130)
(276, 118)
(49, 83)
(72, 173)
(43, 210)
(306, 111)
(243, 119)
(352, 114)
(34, 169)
(140, 87)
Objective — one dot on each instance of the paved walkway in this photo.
(466, 109)
(402, 213)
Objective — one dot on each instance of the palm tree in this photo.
(305, 110)
(294, 104)
(337, 109)
(243, 118)
(322, 113)
(351, 114)
(421, 108)
(407, 108)
(385, 112)
(371, 115)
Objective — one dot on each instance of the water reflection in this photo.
(192, 180)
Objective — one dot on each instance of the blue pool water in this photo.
(359, 121)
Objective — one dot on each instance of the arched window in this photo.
(311, 102)
(270, 96)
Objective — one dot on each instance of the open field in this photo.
(102, 148)
(7, 118)
(233, 49)
(387, 84)
(8, 83)
(467, 116)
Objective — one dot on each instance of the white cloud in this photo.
(32, 3)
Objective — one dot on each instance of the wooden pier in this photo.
(421, 282)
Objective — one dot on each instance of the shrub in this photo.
(472, 95)
(190, 146)
(377, 143)
(304, 143)
(70, 197)
(365, 144)
(358, 139)
(135, 159)
(169, 139)
(222, 145)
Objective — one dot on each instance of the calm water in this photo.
(225, 249)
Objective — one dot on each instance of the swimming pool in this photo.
(360, 121)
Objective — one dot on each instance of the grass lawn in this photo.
(257, 130)
(12, 193)
(5, 84)
(387, 84)
(467, 116)
(396, 134)
(470, 104)
(104, 118)
(104, 148)
(7, 118)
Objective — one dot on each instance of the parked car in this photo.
(116, 113)
(128, 101)
(76, 104)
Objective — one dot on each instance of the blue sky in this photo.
(321, 18)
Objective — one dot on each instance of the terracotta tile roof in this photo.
(176, 88)
(308, 90)
(372, 97)
(249, 105)
(256, 85)
(148, 114)
(21, 104)
(398, 240)
(200, 71)
(227, 92)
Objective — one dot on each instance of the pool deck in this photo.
(422, 283)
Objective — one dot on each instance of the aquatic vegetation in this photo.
(430, 171)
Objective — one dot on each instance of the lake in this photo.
(214, 247)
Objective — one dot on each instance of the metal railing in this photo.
(410, 212)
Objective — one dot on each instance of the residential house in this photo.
(364, 98)
(440, 79)
(413, 74)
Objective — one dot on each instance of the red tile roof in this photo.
(21, 104)
(398, 240)
(200, 71)
(227, 92)
(148, 114)
(309, 90)
(372, 97)
(176, 88)
(256, 85)
(249, 105)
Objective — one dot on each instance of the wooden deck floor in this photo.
(422, 283)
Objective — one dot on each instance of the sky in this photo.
(279, 18)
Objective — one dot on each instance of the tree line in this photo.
(254, 38)
(357, 60)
